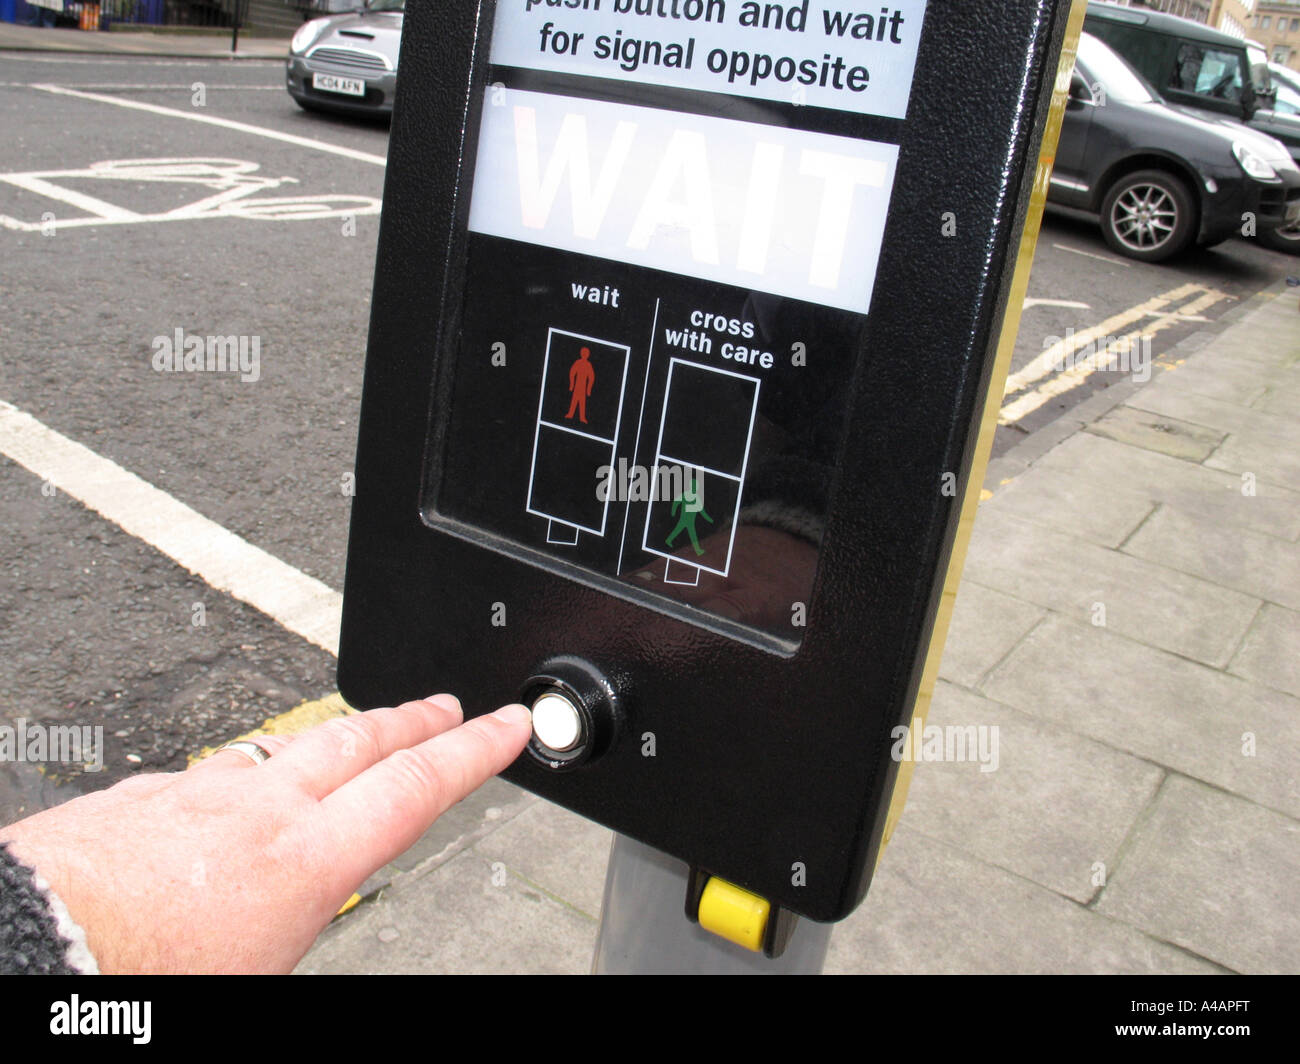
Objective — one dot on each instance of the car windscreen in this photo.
(1214, 73)
(1288, 99)
(386, 5)
(1119, 80)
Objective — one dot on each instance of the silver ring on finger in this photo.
(249, 749)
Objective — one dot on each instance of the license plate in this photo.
(347, 86)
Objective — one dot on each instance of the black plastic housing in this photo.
(763, 758)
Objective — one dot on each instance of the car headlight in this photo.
(306, 34)
(1253, 164)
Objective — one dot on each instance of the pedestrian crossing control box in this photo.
(684, 319)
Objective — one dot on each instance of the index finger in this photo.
(332, 753)
(382, 812)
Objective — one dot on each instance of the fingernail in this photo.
(515, 714)
(446, 701)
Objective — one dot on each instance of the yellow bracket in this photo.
(734, 914)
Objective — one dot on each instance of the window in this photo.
(1140, 48)
(1114, 76)
(1295, 25)
(1207, 72)
(1265, 22)
(1288, 100)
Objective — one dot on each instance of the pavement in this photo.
(1129, 621)
(138, 43)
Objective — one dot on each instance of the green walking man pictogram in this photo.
(691, 504)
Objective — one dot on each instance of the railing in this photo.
(170, 12)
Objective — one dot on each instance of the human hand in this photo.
(234, 866)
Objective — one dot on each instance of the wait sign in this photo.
(761, 207)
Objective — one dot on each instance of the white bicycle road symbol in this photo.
(232, 182)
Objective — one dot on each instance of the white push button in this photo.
(557, 724)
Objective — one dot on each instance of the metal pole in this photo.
(234, 26)
(644, 929)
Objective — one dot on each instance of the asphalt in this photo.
(125, 42)
(1129, 621)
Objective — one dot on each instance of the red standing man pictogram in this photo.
(582, 376)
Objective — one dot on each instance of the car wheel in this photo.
(1148, 215)
(1286, 240)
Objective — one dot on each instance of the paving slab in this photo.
(1053, 805)
(1202, 374)
(1152, 704)
(1270, 653)
(1217, 415)
(468, 916)
(1279, 401)
(935, 910)
(1265, 333)
(1261, 566)
(1216, 875)
(1210, 494)
(1082, 506)
(558, 851)
(985, 625)
(1263, 457)
(1152, 603)
(1159, 433)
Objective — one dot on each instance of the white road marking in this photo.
(1078, 372)
(103, 211)
(223, 560)
(224, 123)
(231, 185)
(1094, 255)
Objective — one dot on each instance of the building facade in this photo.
(1235, 17)
(1276, 26)
(1196, 10)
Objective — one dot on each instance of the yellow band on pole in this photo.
(734, 913)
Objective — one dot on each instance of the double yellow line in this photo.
(1163, 311)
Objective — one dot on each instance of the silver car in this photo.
(347, 62)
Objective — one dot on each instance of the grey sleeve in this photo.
(37, 936)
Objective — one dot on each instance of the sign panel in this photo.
(759, 207)
(678, 285)
(818, 53)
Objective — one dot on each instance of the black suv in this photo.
(1193, 66)
(1163, 177)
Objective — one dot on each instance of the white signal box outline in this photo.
(559, 531)
(662, 459)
